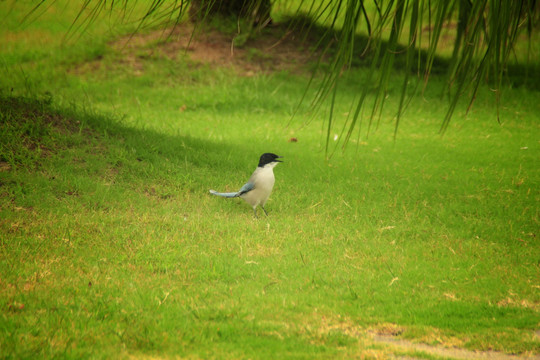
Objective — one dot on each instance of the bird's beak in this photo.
(279, 157)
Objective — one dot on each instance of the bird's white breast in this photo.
(264, 177)
(263, 180)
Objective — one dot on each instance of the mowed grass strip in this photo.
(110, 231)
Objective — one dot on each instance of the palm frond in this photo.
(486, 32)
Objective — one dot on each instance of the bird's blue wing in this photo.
(246, 188)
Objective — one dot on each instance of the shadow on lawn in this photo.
(515, 75)
(34, 129)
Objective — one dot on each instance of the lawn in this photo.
(112, 247)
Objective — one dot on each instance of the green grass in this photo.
(112, 247)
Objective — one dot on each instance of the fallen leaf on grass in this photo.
(16, 306)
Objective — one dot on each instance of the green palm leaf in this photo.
(485, 35)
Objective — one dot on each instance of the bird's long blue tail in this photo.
(227, 195)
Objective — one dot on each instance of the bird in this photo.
(259, 186)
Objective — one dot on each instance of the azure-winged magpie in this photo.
(259, 186)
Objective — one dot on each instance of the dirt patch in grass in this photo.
(401, 345)
(276, 48)
(388, 336)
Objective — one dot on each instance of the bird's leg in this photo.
(265, 213)
(255, 212)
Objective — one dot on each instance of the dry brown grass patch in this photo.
(274, 49)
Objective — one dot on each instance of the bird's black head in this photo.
(268, 158)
